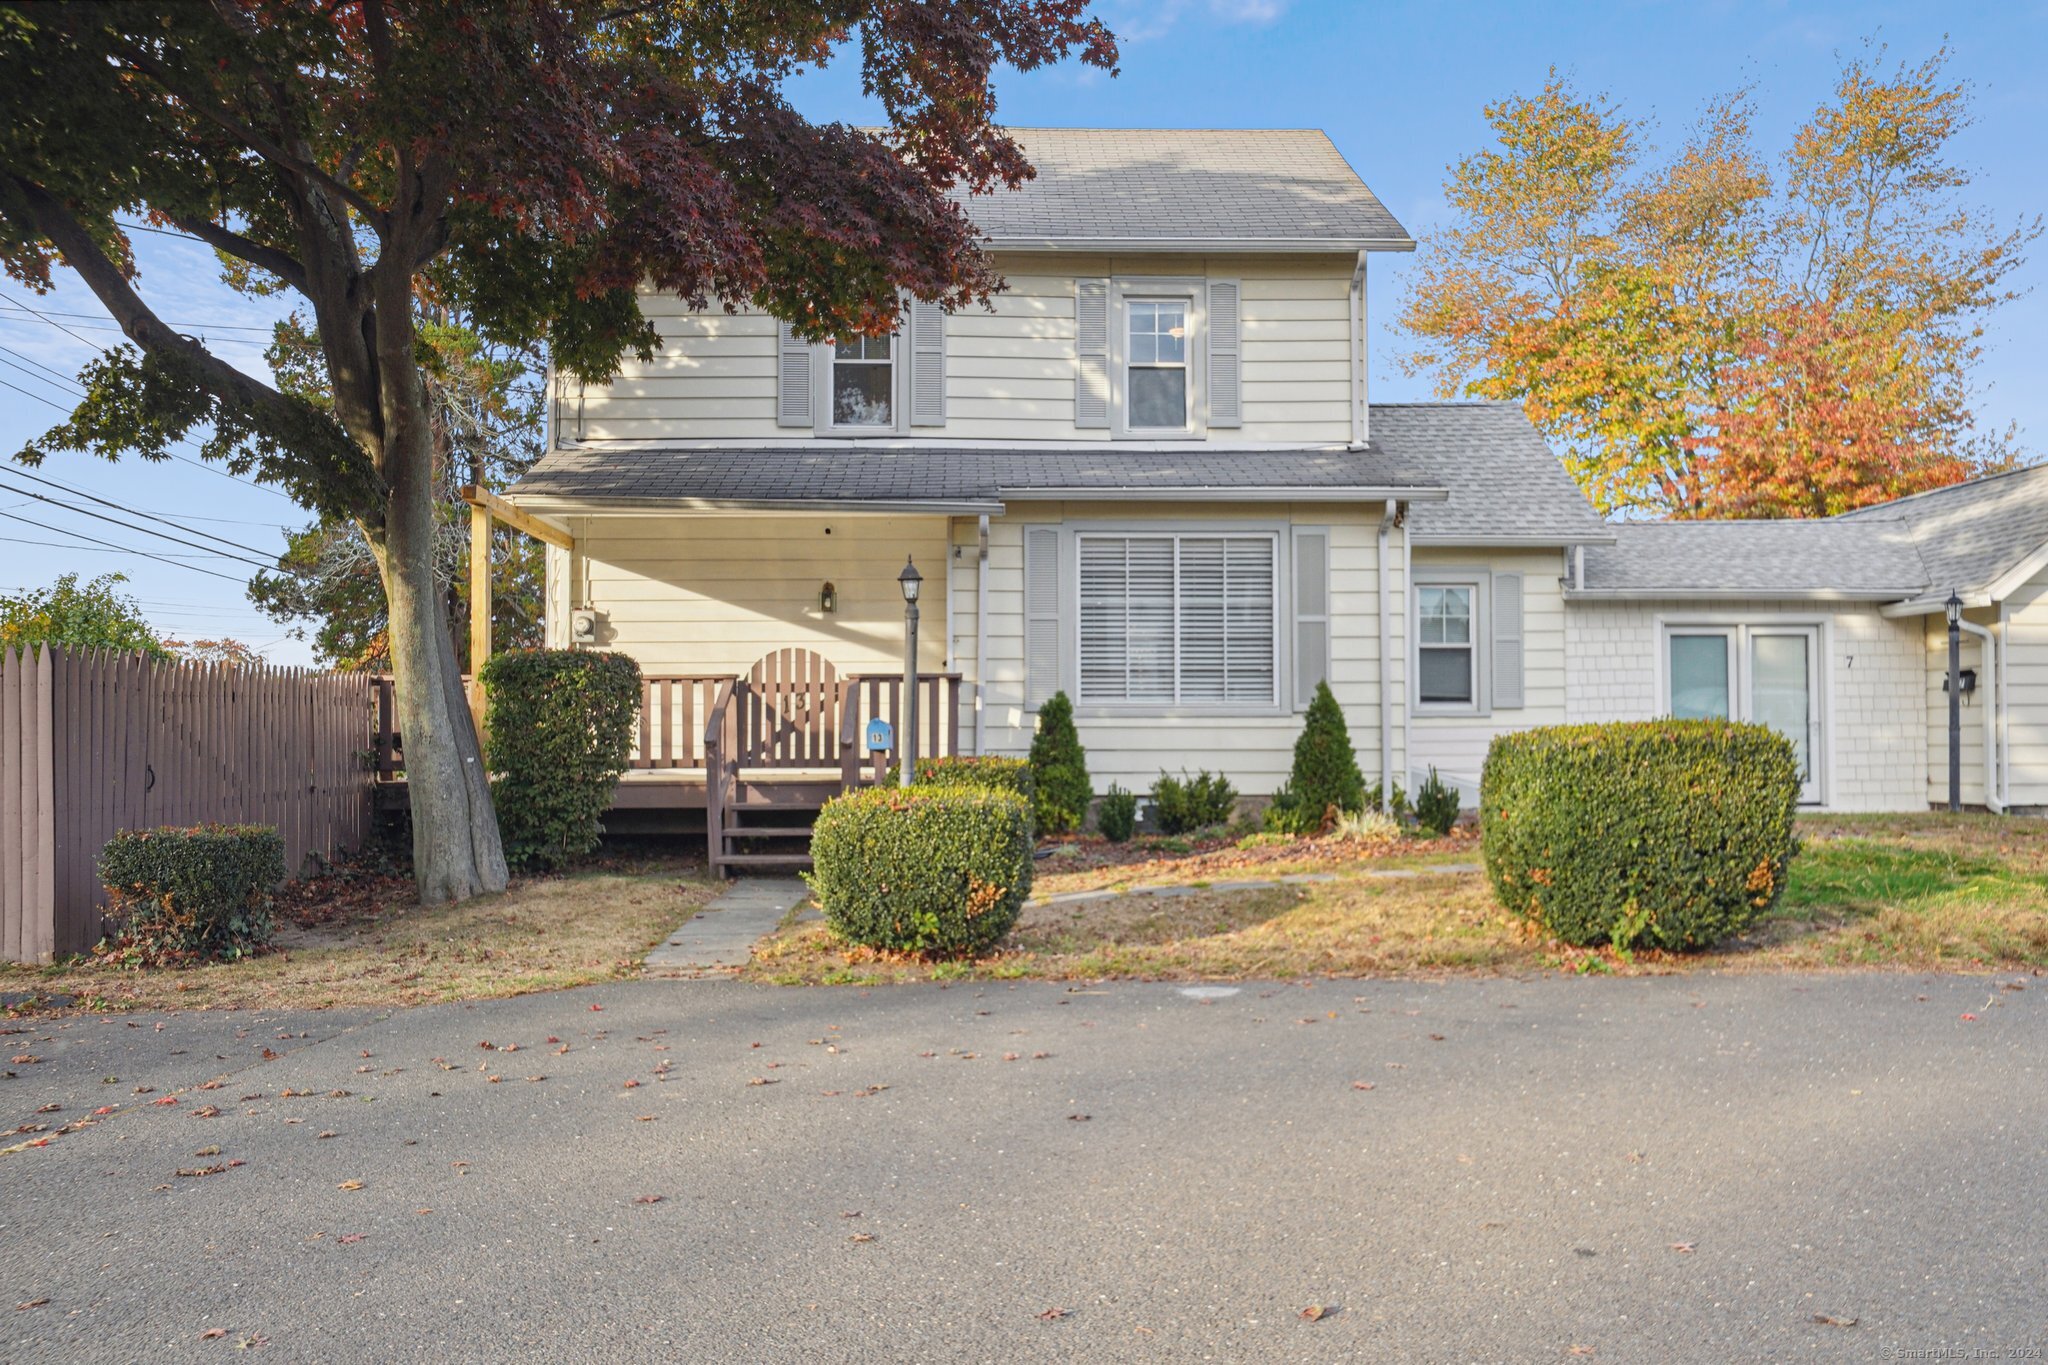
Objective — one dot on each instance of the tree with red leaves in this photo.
(531, 162)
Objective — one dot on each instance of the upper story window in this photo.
(1156, 364)
(864, 382)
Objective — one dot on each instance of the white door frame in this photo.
(1740, 636)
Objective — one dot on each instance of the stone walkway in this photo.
(721, 937)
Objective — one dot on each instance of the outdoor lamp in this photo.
(828, 599)
(910, 580)
(1955, 609)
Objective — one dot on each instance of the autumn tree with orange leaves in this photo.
(1702, 337)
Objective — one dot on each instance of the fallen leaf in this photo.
(350, 1239)
(862, 1237)
(1361, 1085)
(1829, 1320)
(1970, 1018)
(1009, 1056)
(206, 1111)
(349, 1185)
(1052, 1315)
(207, 1151)
(213, 1334)
(763, 1080)
(326, 1133)
(1315, 1312)
(1079, 1118)
(168, 1099)
(1580, 1351)
(644, 1118)
(597, 1009)
(195, 1171)
(51, 1109)
(648, 1198)
(635, 1084)
(1682, 1248)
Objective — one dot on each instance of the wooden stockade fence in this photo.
(92, 743)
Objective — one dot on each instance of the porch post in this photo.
(479, 607)
(1955, 702)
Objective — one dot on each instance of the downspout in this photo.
(981, 636)
(1387, 515)
(1994, 768)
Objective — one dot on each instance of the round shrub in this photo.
(939, 871)
(1672, 834)
(1117, 816)
(560, 729)
(203, 892)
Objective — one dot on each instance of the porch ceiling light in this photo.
(910, 580)
(1955, 608)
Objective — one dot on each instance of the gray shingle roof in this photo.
(859, 472)
(1971, 533)
(1505, 483)
(1757, 558)
(1285, 187)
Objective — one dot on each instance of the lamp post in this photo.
(1955, 702)
(910, 580)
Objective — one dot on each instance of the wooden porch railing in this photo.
(673, 707)
(879, 695)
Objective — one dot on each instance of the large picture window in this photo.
(864, 382)
(1179, 619)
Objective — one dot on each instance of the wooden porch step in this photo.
(765, 860)
(767, 831)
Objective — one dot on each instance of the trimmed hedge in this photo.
(939, 871)
(1672, 834)
(986, 773)
(1059, 769)
(202, 892)
(561, 733)
(1325, 782)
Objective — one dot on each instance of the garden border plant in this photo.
(183, 893)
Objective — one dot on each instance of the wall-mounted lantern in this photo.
(828, 599)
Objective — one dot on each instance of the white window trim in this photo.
(1739, 628)
(1480, 582)
(1194, 291)
(1283, 607)
(822, 360)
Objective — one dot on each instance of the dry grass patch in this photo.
(543, 934)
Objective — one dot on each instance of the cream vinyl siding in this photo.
(713, 594)
(1132, 747)
(1935, 632)
(1456, 744)
(2026, 693)
(1873, 706)
(1009, 368)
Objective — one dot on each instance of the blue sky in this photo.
(1399, 88)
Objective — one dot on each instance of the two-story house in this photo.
(1151, 475)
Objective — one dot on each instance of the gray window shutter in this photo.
(927, 364)
(792, 378)
(1311, 613)
(1091, 351)
(1507, 642)
(1041, 613)
(1226, 370)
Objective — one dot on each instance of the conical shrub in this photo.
(1059, 769)
(1325, 776)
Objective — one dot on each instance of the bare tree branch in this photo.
(279, 263)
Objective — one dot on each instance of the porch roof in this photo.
(954, 479)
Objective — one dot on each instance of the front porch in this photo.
(758, 754)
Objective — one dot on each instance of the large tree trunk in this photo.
(456, 851)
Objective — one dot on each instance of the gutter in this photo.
(981, 638)
(1994, 763)
(1388, 516)
(1735, 594)
(1225, 493)
(1320, 246)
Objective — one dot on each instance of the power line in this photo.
(131, 511)
(109, 545)
(111, 521)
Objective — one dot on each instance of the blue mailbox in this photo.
(881, 737)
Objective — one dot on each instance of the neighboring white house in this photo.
(1149, 475)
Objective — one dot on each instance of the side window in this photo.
(1701, 685)
(1156, 364)
(1447, 663)
(864, 382)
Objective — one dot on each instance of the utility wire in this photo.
(131, 511)
(124, 549)
(126, 526)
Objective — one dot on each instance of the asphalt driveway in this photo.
(1686, 1168)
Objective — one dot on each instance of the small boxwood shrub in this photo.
(1436, 804)
(1117, 816)
(1188, 803)
(1672, 834)
(939, 871)
(1059, 769)
(1325, 782)
(561, 733)
(181, 894)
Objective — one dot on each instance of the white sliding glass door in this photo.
(1766, 674)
